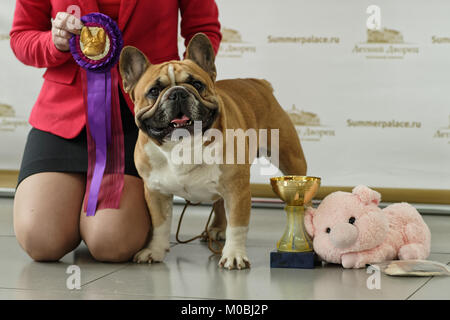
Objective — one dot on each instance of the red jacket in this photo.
(150, 25)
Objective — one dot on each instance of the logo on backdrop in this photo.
(8, 119)
(383, 43)
(4, 36)
(308, 125)
(440, 40)
(232, 45)
(304, 40)
(384, 124)
(443, 133)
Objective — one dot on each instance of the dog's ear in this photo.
(200, 50)
(133, 63)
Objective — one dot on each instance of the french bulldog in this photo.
(184, 96)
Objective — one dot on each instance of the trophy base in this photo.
(297, 260)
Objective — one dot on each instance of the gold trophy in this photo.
(294, 249)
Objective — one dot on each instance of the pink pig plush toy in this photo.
(350, 229)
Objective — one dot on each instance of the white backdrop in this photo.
(370, 109)
(19, 88)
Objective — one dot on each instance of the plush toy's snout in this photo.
(343, 235)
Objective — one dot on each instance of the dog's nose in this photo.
(178, 94)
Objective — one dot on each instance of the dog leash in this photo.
(204, 235)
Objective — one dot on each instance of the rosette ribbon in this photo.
(97, 51)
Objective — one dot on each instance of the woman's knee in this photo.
(42, 244)
(116, 235)
(116, 244)
(46, 214)
(41, 250)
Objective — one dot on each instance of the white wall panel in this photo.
(367, 113)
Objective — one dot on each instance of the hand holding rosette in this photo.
(64, 26)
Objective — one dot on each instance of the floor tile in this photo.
(440, 232)
(25, 294)
(438, 288)
(191, 271)
(19, 271)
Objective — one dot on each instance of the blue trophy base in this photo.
(298, 260)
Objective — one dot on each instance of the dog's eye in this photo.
(153, 92)
(328, 230)
(351, 220)
(199, 86)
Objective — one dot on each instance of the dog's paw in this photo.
(143, 256)
(234, 259)
(149, 255)
(216, 233)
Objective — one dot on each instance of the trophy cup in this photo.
(294, 249)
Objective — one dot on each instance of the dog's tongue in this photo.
(183, 120)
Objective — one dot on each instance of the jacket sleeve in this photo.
(200, 16)
(31, 37)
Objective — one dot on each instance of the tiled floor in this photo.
(190, 270)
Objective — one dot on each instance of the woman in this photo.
(49, 221)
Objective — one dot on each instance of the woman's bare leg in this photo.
(115, 235)
(46, 214)
(47, 219)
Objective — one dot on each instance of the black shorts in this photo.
(46, 152)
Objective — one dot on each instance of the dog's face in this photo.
(173, 94)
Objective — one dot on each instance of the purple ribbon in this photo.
(103, 124)
(99, 117)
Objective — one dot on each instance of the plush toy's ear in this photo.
(309, 214)
(367, 195)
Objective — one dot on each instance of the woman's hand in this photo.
(63, 26)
